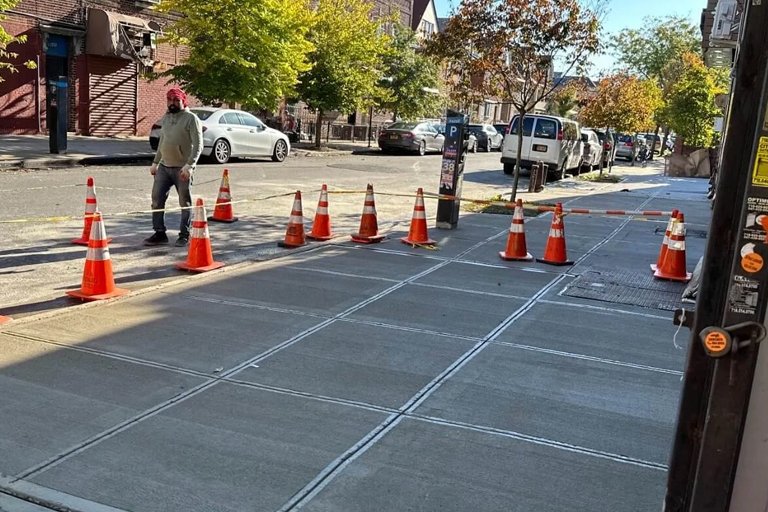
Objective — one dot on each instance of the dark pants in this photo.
(165, 178)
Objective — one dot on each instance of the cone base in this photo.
(206, 268)
(556, 263)
(654, 267)
(321, 238)
(683, 279)
(508, 257)
(226, 221)
(408, 241)
(84, 241)
(291, 245)
(78, 294)
(368, 239)
(5, 319)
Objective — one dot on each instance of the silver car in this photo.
(231, 133)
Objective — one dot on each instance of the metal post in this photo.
(715, 393)
(370, 124)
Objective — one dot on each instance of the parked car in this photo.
(411, 136)
(471, 139)
(591, 150)
(487, 137)
(555, 141)
(229, 133)
(626, 146)
(652, 140)
(608, 140)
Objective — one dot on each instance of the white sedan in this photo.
(231, 133)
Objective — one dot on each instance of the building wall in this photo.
(21, 94)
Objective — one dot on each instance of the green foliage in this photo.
(691, 108)
(409, 78)
(6, 40)
(564, 100)
(348, 46)
(624, 103)
(649, 51)
(241, 51)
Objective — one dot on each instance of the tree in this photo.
(507, 48)
(656, 51)
(564, 100)
(691, 108)
(623, 102)
(240, 51)
(411, 79)
(7, 39)
(348, 47)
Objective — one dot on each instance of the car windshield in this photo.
(402, 126)
(624, 138)
(202, 114)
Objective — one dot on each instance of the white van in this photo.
(550, 139)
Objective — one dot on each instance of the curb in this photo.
(46, 163)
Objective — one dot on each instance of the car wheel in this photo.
(280, 151)
(221, 151)
(422, 148)
(488, 146)
(474, 147)
(509, 168)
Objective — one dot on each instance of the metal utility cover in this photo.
(624, 287)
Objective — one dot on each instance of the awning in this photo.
(112, 34)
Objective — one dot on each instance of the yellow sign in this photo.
(716, 342)
(760, 172)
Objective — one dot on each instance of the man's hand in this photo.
(185, 172)
(153, 169)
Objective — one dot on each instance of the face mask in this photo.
(173, 109)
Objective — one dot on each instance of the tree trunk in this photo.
(653, 143)
(664, 141)
(519, 154)
(319, 129)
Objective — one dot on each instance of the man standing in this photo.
(180, 145)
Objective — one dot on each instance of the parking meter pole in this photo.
(452, 169)
(57, 115)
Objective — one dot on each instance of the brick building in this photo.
(103, 49)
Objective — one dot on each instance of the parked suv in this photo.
(555, 141)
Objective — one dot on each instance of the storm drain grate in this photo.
(630, 288)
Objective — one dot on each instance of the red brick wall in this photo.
(17, 93)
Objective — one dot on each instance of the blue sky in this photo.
(622, 14)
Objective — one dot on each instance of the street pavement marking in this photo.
(602, 308)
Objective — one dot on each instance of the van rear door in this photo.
(509, 146)
(545, 145)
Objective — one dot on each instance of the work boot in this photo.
(159, 238)
(182, 241)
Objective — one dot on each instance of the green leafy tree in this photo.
(411, 79)
(691, 108)
(240, 51)
(6, 39)
(656, 51)
(348, 46)
(506, 48)
(564, 100)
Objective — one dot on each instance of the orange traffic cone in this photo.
(673, 266)
(90, 208)
(200, 255)
(98, 281)
(665, 243)
(223, 210)
(516, 247)
(418, 232)
(555, 253)
(321, 227)
(294, 235)
(369, 226)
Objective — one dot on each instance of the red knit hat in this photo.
(176, 93)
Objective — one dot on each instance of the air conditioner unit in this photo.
(725, 19)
